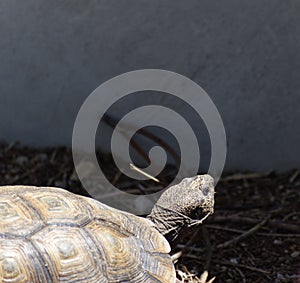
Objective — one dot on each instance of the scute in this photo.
(20, 263)
(70, 254)
(142, 228)
(62, 237)
(56, 206)
(16, 217)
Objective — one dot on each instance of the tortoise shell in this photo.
(51, 235)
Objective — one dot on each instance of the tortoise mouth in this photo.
(201, 212)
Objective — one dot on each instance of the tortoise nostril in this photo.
(206, 191)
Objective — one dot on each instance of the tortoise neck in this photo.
(168, 222)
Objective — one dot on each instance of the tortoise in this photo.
(51, 235)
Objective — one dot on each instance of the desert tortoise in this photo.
(51, 235)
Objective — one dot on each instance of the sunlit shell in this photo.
(51, 235)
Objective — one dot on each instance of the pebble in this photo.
(21, 160)
(234, 260)
(41, 157)
(295, 254)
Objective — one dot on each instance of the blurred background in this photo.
(244, 54)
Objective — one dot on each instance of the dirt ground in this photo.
(253, 236)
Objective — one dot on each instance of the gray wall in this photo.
(245, 54)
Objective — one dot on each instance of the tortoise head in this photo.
(192, 197)
(184, 204)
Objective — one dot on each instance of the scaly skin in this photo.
(183, 205)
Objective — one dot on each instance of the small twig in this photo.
(294, 176)
(53, 155)
(186, 275)
(190, 248)
(212, 280)
(209, 248)
(289, 215)
(279, 235)
(245, 176)
(116, 178)
(258, 234)
(241, 274)
(242, 266)
(133, 167)
(192, 256)
(10, 146)
(186, 247)
(244, 235)
(176, 256)
(142, 189)
(246, 220)
(204, 276)
(197, 222)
